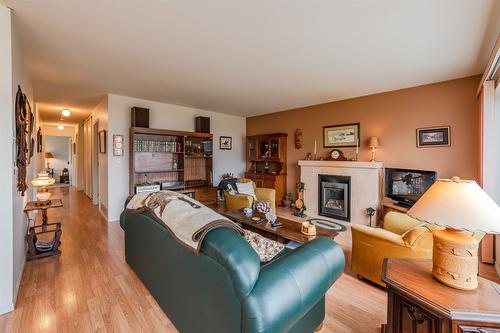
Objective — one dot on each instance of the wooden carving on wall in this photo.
(23, 140)
(298, 139)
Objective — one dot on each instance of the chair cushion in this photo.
(246, 188)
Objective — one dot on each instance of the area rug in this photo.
(328, 224)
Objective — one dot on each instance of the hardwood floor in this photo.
(90, 288)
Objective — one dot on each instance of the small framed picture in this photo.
(341, 135)
(225, 143)
(434, 137)
(102, 141)
(117, 145)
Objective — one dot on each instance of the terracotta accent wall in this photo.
(393, 117)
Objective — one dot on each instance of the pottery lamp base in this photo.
(454, 258)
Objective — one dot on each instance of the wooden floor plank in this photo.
(90, 288)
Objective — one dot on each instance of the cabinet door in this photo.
(413, 318)
(274, 148)
(252, 149)
(268, 183)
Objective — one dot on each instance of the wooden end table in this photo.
(45, 227)
(289, 231)
(419, 303)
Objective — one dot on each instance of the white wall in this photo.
(6, 149)
(173, 117)
(13, 222)
(70, 131)
(100, 116)
(496, 194)
(59, 146)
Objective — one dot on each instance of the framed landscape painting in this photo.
(434, 137)
(341, 135)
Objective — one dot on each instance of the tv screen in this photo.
(407, 186)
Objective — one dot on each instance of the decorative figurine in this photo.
(300, 208)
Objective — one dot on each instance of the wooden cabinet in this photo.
(266, 162)
(419, 303)
(175, 160)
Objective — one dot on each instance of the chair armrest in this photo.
(267, 194)
(377, 234)
(291, 285)
(399, 223)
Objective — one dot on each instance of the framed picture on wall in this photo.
(39, 147)
(434, 137)
(346, 135)
(225, 143)
(102, 141)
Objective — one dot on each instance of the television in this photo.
(406, 186)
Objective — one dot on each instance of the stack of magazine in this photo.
(44, 246)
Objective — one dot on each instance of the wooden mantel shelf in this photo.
(342, 164)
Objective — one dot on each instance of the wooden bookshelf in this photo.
(182, 158)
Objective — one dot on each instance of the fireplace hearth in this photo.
(334, 197)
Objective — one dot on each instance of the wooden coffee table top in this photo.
(290, 230)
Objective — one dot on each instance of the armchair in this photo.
(400, 237)
(239, 201)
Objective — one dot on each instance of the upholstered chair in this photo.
(239, 201)
(400, 237)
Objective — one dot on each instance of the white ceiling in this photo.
(246, 58)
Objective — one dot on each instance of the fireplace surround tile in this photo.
(366, 186)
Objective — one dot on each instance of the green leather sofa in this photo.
(224, 288)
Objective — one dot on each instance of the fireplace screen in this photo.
(334, 197)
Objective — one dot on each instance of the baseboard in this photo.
(6, 308)
(497, 267)
(18, 284)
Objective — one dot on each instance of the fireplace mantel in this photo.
(366, 186)
(342, 164)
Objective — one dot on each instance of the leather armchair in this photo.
(224, 288)
(400, 237)
(239, 201)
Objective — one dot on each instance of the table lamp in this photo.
(48, 156)
(373, 143)
(463, 208)
(42, 193)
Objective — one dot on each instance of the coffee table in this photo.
(289, 231)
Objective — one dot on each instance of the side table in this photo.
(419, 303)
(39, 248)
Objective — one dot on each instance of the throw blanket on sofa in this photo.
(187, 219)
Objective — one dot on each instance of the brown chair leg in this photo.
(320, 326)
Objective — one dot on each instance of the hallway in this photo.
(89, 287)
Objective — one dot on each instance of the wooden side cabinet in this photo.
(417, 303)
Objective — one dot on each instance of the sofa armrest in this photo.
(232, 252)
(267, 194)
(377, 234)
(291, 285)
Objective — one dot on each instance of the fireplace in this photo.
(334, 197)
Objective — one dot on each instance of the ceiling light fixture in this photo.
(60, 127)
(66, 112)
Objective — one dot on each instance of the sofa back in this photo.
(198, 292)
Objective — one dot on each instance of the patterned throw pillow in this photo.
(262, 206)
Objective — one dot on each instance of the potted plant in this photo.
(288, 199)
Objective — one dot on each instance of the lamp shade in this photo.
(458, 204)
(43, 179)
(49, 155)
(373, 142)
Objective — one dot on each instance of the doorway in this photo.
(58, 159)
